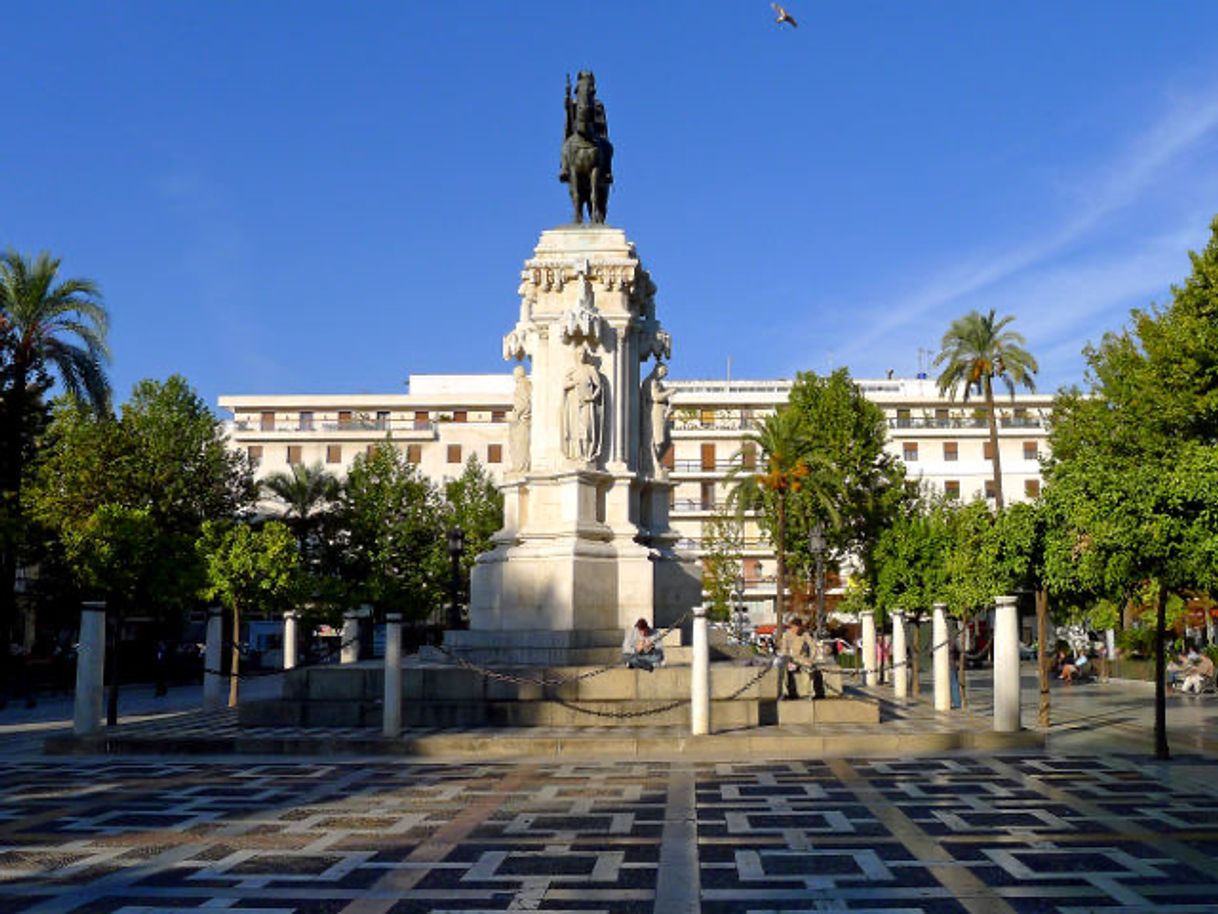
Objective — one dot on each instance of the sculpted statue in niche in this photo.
(583, 409)
(522, 421)
(656, 402)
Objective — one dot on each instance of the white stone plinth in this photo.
(393, 676)
(942, 657)
(213, 681)
(349, 650)
(699, 683)
(868, 620)
(90, 667)
(1006, 666)
(291, 618)
(900, 657)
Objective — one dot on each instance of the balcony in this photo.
(360, 426)
(698, 466)
(964, 422)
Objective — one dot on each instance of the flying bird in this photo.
(784, 16)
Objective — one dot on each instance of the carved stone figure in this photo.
(522, 421)
(583, 409)
(587, 154)
(656, 403)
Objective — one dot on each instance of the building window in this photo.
(909, 451)
(1031, 450)
(294, 454)
(254, 452)
(708, 496)
(370, 450)
(494, 453)
(498, 415)
(414, 453)
(268, 422)
(1031, 488)
(344, 418)
(460, 415)
(752, 571)
(306, 421)
(747, 419)
(987, 450)
(707, 417)
(989, 489)
(334, 453)
(951, 488)
(708, 458)
(748, 456)
(941, 418)
(951, 450)
(454, 453)
(382, 419)
(420, 420)
(904, 419)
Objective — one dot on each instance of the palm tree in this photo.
(975, 350)
(50, 330)
(788, 467)
(304, 491)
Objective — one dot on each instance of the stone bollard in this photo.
(699, 683)
(214, 683)
(393, 676)
(900, 657)
(90, 666)
(942, 657)
(1006, 665)
(291, 618)
(349, 652)
(867, 617)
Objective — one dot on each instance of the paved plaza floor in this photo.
(1089, 824)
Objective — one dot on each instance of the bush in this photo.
(1136, 642)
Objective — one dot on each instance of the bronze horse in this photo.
(587, 154)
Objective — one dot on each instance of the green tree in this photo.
(977, 350)
(309, 496)
(722, 546)
(393, 538)
(51, 329)
(474, 503)
(248, 571)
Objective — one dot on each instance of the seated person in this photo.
(1176, 670)
(1074, 669)
(640, 650)
(1196, 675)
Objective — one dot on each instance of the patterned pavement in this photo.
(1025, 832)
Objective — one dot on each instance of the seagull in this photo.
(784, 16)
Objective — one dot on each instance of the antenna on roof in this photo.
(729, 374)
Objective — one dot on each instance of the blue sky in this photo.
(321, 197)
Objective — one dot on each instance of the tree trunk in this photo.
(12, 439)
(917, 656)
(1161, 750)
(997, 460)
(234, 668)
(1043, 655)
(112, 659)
(781, 571)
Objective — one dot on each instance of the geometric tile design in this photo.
(1027, 832)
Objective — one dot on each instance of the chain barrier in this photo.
(489, 673)
(326, 656)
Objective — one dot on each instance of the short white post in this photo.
(350, 638)
(1110, 642)
(699, 684)
(867, 617)
(900, 658)
(290, 620)
(1006, 665)
(942, 657)
(90, 666)
(393, 675)
(215, 685)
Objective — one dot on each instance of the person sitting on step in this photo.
(640, 648)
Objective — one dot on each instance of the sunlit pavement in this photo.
(1090, 824)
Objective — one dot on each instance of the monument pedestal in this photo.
(586, 547)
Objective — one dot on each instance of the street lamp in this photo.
(738, 593)
(817, 546)
(456, 546)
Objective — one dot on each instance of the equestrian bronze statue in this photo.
(587, 154)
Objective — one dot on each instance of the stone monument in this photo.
(586, 547)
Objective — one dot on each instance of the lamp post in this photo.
(816, 545)
(456, 545)
(738, 593)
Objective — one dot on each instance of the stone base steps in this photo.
(653, 742)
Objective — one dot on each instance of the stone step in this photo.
(828, 711)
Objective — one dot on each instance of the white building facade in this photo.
(445, 419)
